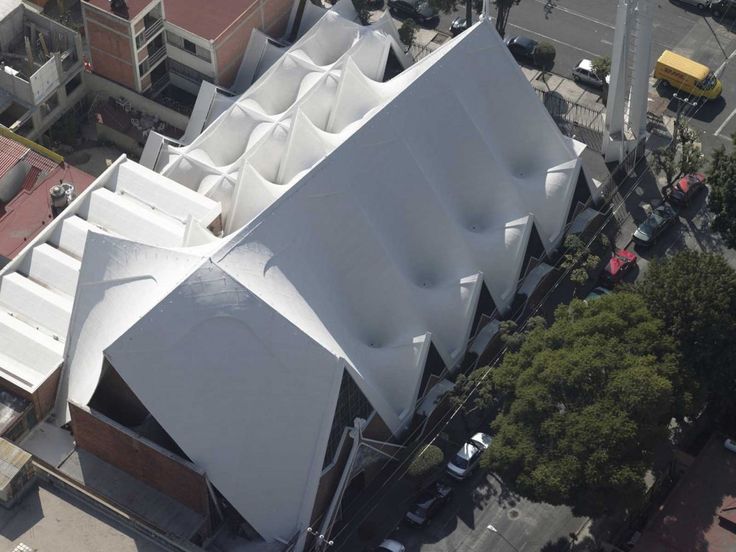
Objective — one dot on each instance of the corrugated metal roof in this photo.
(10, 153)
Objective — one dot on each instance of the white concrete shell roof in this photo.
(37, 289)
(361, 220)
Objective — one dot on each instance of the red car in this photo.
(685, 188)
(619, 266)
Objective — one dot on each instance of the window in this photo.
(351, 404)
(72, 85)
(187, 72)
(190, 47)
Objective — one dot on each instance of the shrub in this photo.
(426, 462)
(544, 55)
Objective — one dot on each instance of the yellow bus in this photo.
(687, 75)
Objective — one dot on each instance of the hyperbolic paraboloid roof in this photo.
(362, 219)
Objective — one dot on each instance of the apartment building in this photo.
(40, 70)
(147, 45)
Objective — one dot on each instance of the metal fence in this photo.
(575, 120)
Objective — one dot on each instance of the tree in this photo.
(586, 401)
(578, 259)
(363, 10)
(544, 55)
(722, 200)
(503, 9)
(408, 32)
(602, 67)
(426, 464)
(694, 294)
(683, 156)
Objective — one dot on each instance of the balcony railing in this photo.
(154, 58)
(149, 32)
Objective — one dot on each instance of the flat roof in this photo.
(135, 7)
(689, 519)
(208, 23)
(29, 211)
(12, 461)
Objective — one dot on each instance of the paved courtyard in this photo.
(50, 520)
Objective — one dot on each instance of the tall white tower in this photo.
(626, 113)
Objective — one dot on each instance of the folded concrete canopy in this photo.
(361, 222)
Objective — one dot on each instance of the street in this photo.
(584, 29)
(482, 501)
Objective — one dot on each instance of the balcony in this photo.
(157, 56)
(153, 29)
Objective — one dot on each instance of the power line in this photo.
(351, 525)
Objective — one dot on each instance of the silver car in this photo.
(583, 73)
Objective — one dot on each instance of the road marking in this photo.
(728, 120)
(722, 66)
(607, 42)
(557, 7)
(555, 40)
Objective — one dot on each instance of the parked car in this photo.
(418, 10)
(656, 223)
(429, 503)
(466, 460)
(685, 188)
(583, 73)
(596, 293)
(621, 263)
(700, 4)
(390, 545)
(730, 444)
(522, 47)
(723, 8)
(457, 26)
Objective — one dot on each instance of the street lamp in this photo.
(492, 529)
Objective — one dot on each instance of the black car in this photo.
(419, 11)
(685, 188)
(649, 230)
(429, 503)
(522, 47)
(457, 26)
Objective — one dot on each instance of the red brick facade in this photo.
(143, 460)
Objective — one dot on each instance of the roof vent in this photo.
(60, 196)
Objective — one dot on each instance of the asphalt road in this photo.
(584, 29)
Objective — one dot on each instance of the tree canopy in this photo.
(586, 402)
(694, 294)
(722, 200)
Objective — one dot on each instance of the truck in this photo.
(687, 75)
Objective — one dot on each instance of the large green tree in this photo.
(586, 402)
(722, 200)
(694, 294)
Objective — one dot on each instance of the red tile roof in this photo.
(209, 20)
(29, 211)
(689, 519)
(135, 7)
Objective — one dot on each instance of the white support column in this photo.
(633, 16)
(640, 81)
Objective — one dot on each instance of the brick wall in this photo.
(110, 48)
(45, 396)
(143, 460)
